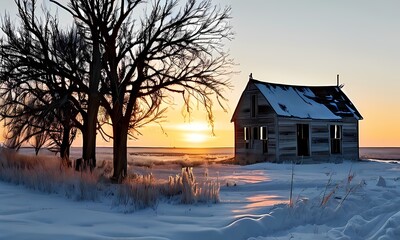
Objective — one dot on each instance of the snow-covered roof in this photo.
(327, 102)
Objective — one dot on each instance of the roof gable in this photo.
(240, 102)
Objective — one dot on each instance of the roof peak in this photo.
(292, 85)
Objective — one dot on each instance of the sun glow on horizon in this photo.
(194, 132)
(195, 137)
(179, 131)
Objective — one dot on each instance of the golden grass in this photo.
(48, 174)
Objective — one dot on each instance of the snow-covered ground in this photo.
(352, 200)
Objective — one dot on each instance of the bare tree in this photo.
(88, 16)
(174, 48)
(39, 102)
(139, 54)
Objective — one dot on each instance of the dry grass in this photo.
(47, 174)
(137, 192)
(340, 190)
(180, 162)
(192, 192)
(141, 191)
(11, 159)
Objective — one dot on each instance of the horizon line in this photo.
(104, 146)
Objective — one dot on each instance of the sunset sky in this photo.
(304, 43)
(308, 43)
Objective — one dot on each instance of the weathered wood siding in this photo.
(282, 134)
(320, 140)
(287, 145)
(350, 140)
(264, 116)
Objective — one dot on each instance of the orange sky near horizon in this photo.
(302, 43)
(178, 132)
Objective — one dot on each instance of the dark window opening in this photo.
(253, 105)
(255, 133)
(264, 109)
(265, 146)
(336, 139)
(303, 140)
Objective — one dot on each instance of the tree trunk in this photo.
(89, 139)
(65, 147)
(120, 134)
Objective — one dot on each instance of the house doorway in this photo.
(303, 140)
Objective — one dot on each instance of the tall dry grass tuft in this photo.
(174, 186)
(189, 186)
(208, 192)
(291, 187)
(339, 191)
(326, 196)
(138, 192)
(191, 191)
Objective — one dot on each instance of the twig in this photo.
(323, 201)
(291, 188)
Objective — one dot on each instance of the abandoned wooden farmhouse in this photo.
(277, 123)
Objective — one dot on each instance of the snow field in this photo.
(352, 200)
(370, 211)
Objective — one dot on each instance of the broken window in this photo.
(263, 133)
(247, 137)
(264, 138)
(303, 140)
(336, 139)
(246, 134)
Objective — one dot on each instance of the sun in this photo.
(195, 137)
(194, 132)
